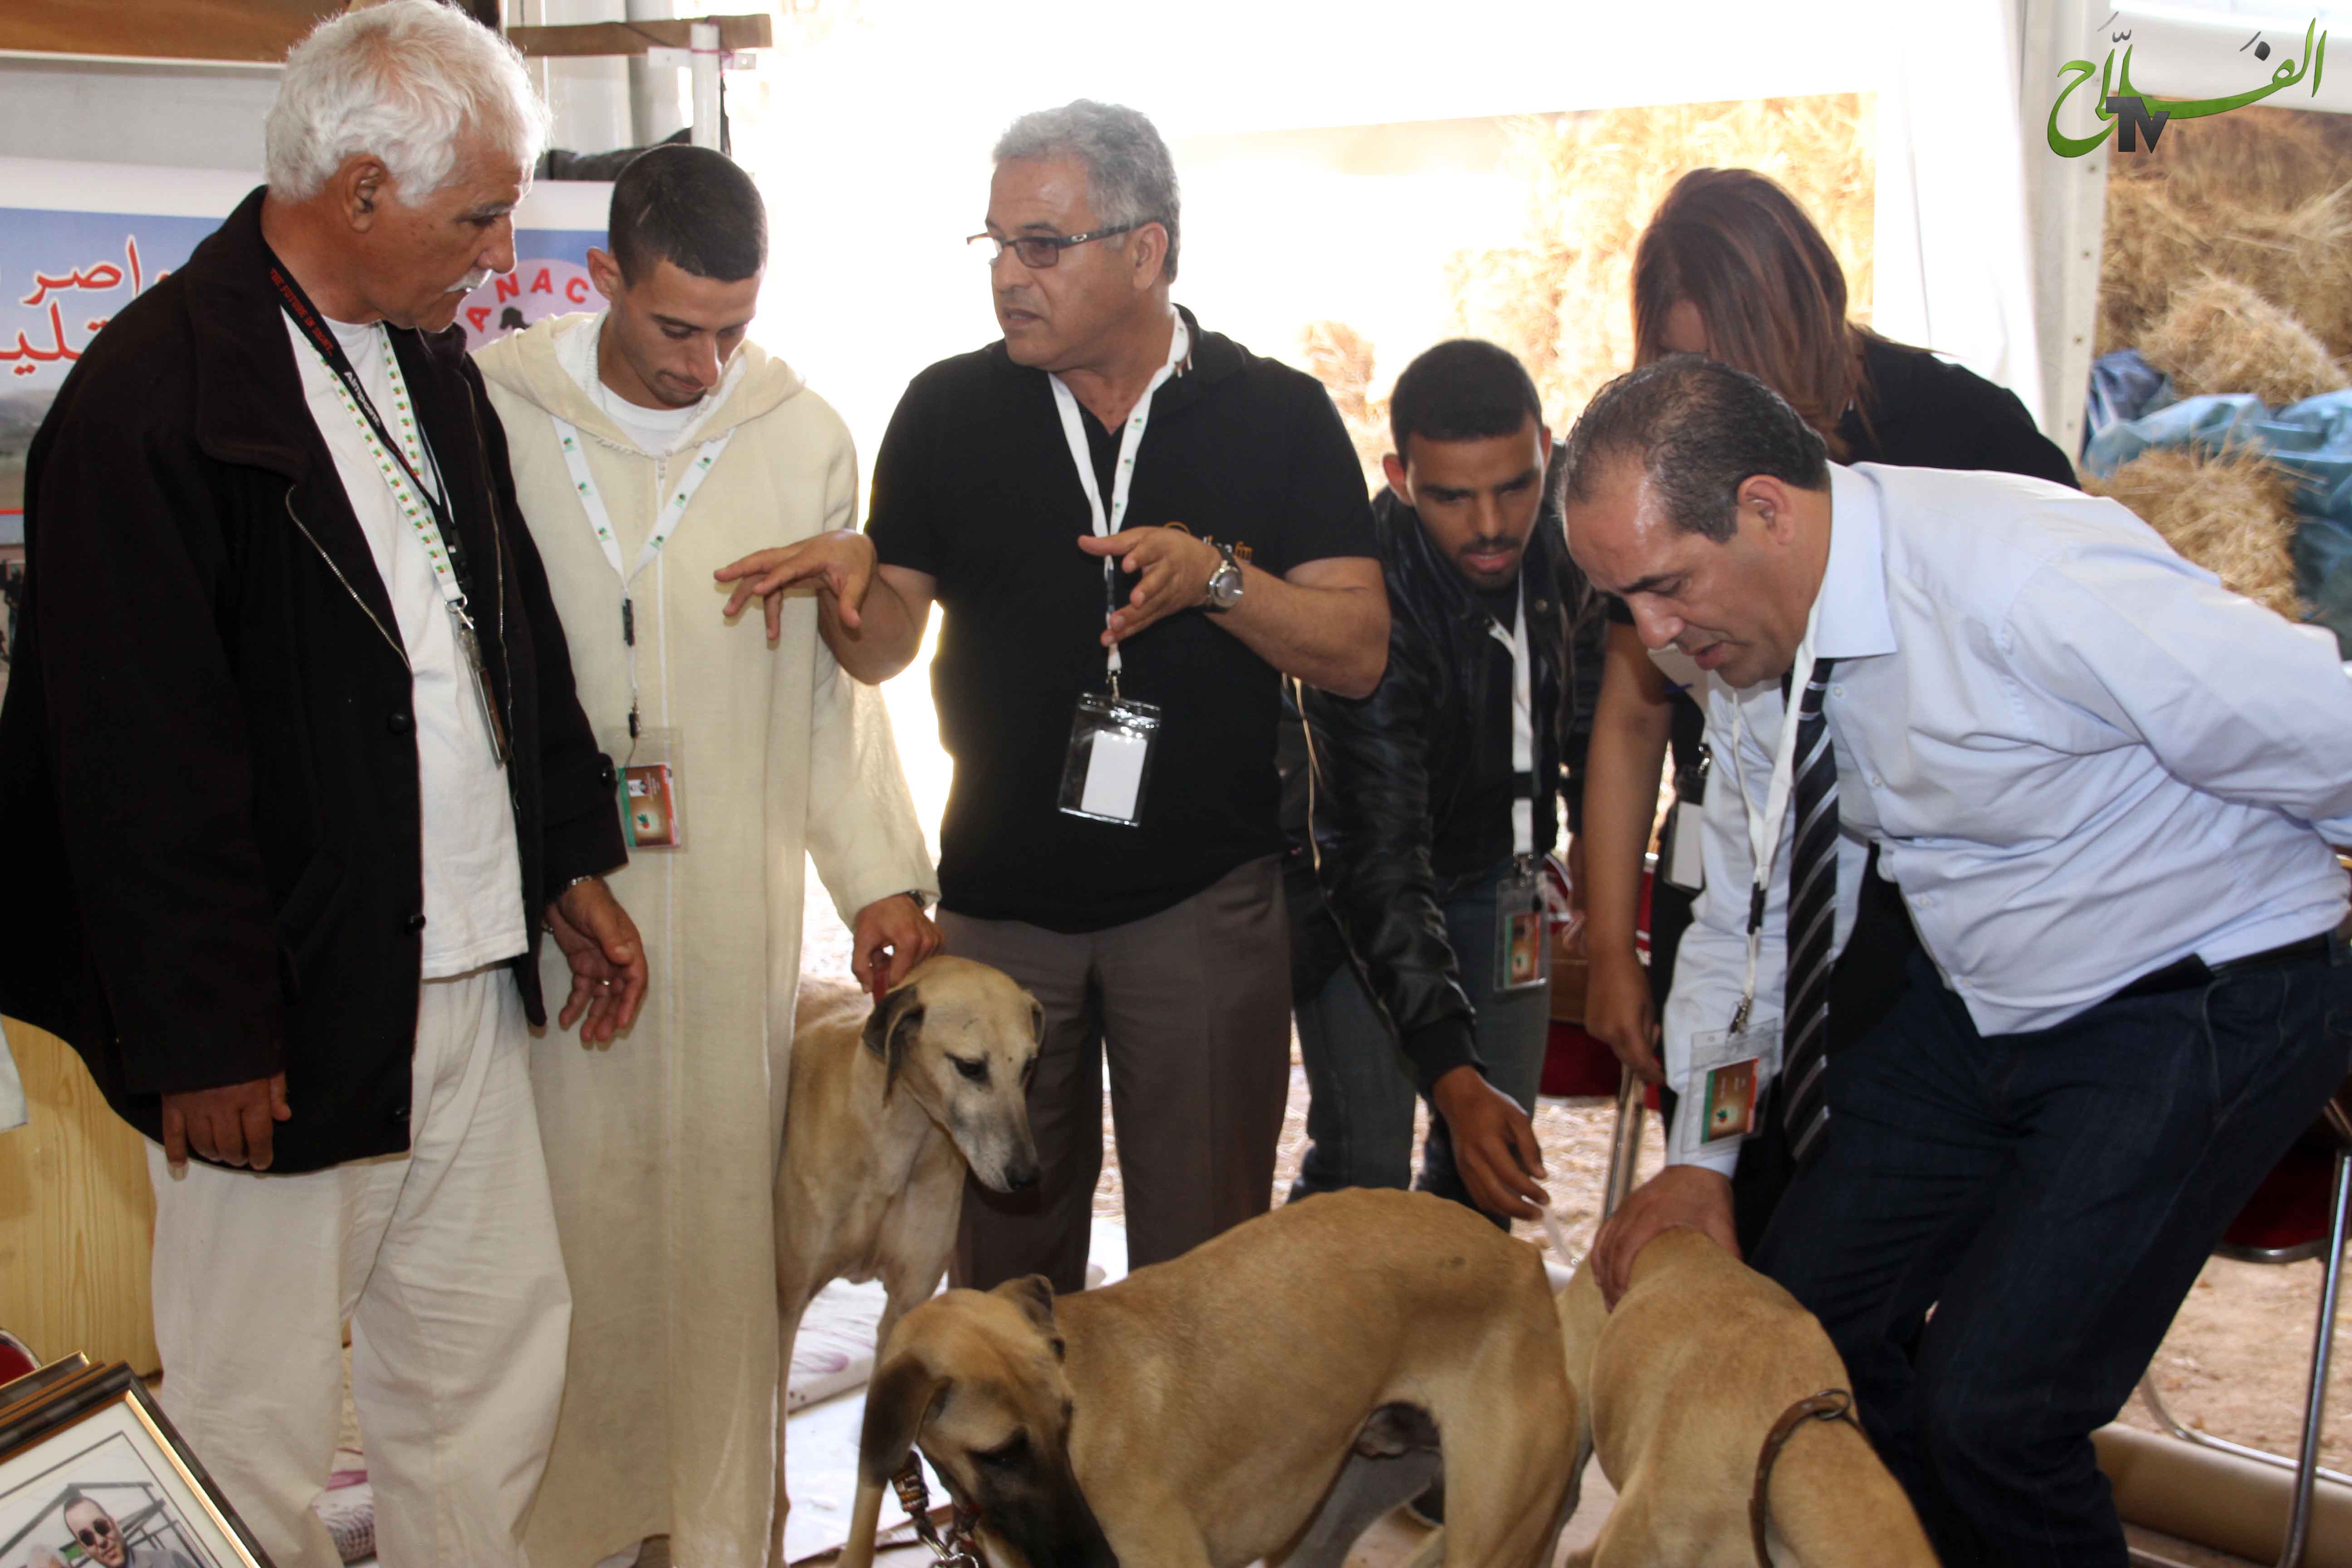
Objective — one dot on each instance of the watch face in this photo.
(1225, 586)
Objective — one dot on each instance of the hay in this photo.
(2221, 336)
(1561, 299)
(2258, 195)
(2263, 159)
(2230, 514)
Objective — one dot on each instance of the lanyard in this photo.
(400, 462)
(1764, 828)
(592, 502)
(1074, 431)
(1523, 761)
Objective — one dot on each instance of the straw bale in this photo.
(2298, 258)
(1561, 299)
(2263, 159)
(2232, 514)
(2221, 336)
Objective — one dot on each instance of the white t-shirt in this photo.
(472, 873)
(656, 432)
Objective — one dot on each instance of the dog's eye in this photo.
(1005, 1455)
(976, 1072)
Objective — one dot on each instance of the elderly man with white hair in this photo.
(298, 777)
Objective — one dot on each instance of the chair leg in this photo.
(1625, 1144)
(2298, 1527)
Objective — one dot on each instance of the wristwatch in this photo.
(1224, 583)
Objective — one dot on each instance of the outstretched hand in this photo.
(840, 563)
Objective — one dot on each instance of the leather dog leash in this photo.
(959, 1550)
(1829, 1405)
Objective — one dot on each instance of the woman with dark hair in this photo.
(1730, 267)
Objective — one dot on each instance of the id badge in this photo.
(1684, 867)
(1730, 1070)
(653, 793)
(1109, 761)
(1522, 956)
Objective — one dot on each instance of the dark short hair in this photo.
(1462, 390)
(691, 206)
(1700, 430)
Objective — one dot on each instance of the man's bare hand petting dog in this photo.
(1692, 1195)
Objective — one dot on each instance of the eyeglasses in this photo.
(1039, 251)
(96, 1530)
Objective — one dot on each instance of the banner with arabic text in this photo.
(92, 238)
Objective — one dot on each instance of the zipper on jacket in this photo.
(398, 651)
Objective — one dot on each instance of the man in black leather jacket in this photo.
(1430, 801)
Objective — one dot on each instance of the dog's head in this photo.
(976, 1380)
(962, 1039)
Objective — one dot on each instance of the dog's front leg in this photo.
(791, 1305)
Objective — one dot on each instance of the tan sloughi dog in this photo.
(1677, 1389)
(1196, 1413)
(888, 1106)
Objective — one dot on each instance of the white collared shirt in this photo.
(2081, 759)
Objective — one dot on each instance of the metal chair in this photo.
(2299, 1212)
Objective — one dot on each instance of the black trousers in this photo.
(2052, 1196)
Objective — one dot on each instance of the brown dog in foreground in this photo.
(890, 1104)
(1196, 1413)
(1677, 1389)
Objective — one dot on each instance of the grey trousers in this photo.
(1191, 1008)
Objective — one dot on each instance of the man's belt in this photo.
(2192, 973)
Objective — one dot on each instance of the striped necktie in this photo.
(1813, 920)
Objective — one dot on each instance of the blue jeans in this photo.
(1359, 1115)
(2052, 1195)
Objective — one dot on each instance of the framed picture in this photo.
(92, 1475)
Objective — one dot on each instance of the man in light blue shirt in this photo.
(2107, 788)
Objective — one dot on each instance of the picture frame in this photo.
(94, 1475)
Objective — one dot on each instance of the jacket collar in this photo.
(251, 408)
(1437, 581)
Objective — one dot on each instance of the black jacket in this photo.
(206, 754)
(1390, 775)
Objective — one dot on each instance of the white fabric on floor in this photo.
(444, 1260)
(820, 1437)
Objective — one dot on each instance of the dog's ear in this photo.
(1033, 1294)
(886, 1027)
(904, 1395)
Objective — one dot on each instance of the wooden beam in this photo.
(753, 31)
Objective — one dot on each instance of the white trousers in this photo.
(444, 1262)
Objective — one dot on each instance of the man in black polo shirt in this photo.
(1108, 680)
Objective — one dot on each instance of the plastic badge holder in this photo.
(1109, 760)
(1729, 1071)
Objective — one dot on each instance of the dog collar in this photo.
(959, 1550)
(1829, 1405)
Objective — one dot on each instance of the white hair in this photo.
(404, 81)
